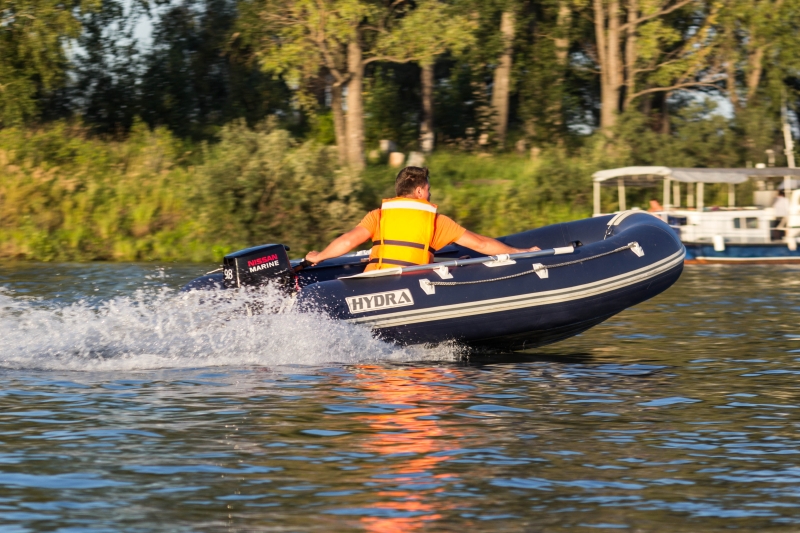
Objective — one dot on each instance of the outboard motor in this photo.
(256, 266)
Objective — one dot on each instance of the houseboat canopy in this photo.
(672, 177)
(640, 176)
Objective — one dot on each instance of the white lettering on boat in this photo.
(262, 266)
(381, 300)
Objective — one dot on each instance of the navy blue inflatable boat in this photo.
(587, 271)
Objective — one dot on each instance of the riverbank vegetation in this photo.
(252, 121)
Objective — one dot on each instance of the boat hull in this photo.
(764, 253)
(511, 307)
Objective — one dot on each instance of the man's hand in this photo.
(526, 250)
(312, 256)
(489, 246)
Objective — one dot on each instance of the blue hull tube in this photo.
(588, 271)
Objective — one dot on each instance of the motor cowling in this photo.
(256, 266)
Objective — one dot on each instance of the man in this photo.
(407, 231)
(781, 207)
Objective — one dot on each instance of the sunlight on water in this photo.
(163, 328)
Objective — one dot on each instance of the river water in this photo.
(127, 406)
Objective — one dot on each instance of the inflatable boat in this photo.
(586, 272)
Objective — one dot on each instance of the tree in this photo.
(544, 70)
(304, 39)
(757, 38)
(194, 81)
(637, 45)
(447, 29)
(106, 68)
(33, 37)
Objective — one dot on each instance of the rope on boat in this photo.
(536, 268)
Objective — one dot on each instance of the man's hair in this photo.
(781, 193)
(409, 179)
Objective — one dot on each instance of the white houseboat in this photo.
(717, 234)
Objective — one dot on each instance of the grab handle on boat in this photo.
(305, 263)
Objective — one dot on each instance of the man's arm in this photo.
(488, 246)
(341, 245)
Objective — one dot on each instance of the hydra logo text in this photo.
(381, 300)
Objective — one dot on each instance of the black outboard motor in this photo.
(256, 266)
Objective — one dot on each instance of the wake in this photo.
(163, 328)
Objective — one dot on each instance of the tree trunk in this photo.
(562, 39)
(502, 77)
(338, 122)
(355, 106)
(630, 53)
(556, 110)
(608, 54)
(426, 136)
(730, 79)
(755, 68)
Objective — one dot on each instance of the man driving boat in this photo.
(407, 230)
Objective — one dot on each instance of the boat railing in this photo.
(490, 261)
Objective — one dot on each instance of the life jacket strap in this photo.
(404, 243)
(393, 262)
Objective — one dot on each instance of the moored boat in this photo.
(718, 234)
(587, 271)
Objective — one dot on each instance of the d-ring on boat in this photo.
(587, 271)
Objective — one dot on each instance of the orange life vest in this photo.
(406, 231)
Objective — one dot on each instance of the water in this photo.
(125, 406)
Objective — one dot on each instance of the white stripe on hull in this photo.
(522, 301)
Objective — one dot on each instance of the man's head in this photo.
(412, 182)
(781, 193)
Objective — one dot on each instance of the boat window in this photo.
(737, 223)
(752, 223)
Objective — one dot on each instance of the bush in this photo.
(500, 194)
(67, 197)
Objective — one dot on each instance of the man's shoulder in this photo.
(371, 218)
(446, 219)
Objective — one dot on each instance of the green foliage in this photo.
(701, 138)
(206, 168)
(33, 34)
(499, 195)
(322, 129)
(388, 114)
(65, 196)
(262, 186)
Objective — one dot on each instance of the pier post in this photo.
(731, 195)
(596, 186)
(700, 198)
(666, 194)
(676, 193)
(621, 193)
